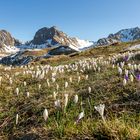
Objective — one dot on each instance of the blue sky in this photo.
(86, 19)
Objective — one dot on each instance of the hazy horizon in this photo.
(88, 20)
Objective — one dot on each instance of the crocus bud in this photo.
(124, 82)
(28, 94)
(71, 79)
(119, 71)
(76, 99)
(79, 78)
(24, 83)
(80, 116)
(86, 77)
(16, 119)
(17, 91)
(126, 72)
(131, 78)
(66, 84)
(45, 114)
(66, 100)
(89, 89)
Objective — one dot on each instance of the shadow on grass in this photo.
(30, 136)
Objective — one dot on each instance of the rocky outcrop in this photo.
(61, 50)
(107, 41)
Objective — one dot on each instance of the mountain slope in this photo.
(93, 78)
(125, 35)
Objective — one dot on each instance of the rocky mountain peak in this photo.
(7, 42)
(48, 37)
(6, 39)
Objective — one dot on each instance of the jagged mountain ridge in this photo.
(124, 35)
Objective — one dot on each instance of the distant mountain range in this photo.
(58, 41)
(53, 37)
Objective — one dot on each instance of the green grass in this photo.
(122, 113)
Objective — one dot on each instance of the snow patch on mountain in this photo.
(84, 43)
(9, 49)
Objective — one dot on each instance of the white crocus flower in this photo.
(124, 82)
(71, 79)
(80, 116)
(76, 99)
(17, 91)
(66, 84)
(126, 72)
(89, 89)
(86, 77)
(79, 79)
(122, 64)
(131, 78)
(119, 71)
(113, 66)
(66, 100)
(100, 108)
(45, 114)
(99, 69)
(24, 83)
(57, 104)
(28, 94)
(16, 119)
(53, 79)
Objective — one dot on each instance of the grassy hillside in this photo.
(93, 77)
(93, 52)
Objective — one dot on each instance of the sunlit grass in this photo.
(122, 117)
